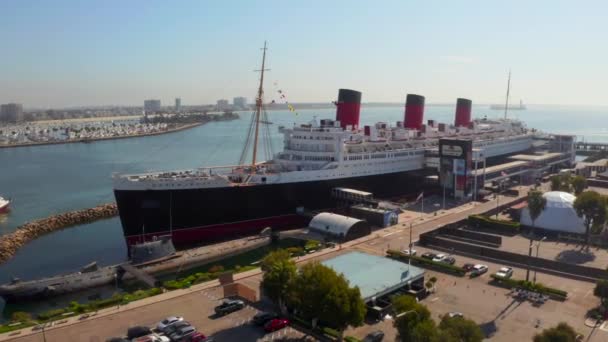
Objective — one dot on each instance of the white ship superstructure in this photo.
(324, 150)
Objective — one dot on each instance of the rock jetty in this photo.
(10, 243)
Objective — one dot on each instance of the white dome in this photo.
(559, 214)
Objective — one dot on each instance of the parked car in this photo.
(468, 267)
(455, 314)
(182, 333)
(505, 272)
(197, 337)
(429, 255)
(375, 336)
(152, 338)
(479, 270)
(138, 331)
(276, 324)
(449, 260)
(174, 327)
(407, 251)
(168, 321)
(228, 306)
(439, 257)
(263, 317)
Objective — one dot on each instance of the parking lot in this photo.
(196, 308)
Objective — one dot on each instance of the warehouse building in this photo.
(342, 228)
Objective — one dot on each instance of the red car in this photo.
(276, 324)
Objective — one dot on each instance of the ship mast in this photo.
(507, 98)
(258, 107)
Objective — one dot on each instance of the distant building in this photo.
(178, 104)
(11, 112)
(240, 102)
(223, 104)
(151, 106)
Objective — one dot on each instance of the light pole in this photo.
(537, 248)
(498, 197)
(43, 334)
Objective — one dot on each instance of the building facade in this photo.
(223, 104)
(151, 106)
(178, 104)
(240, 102)
(11, 112)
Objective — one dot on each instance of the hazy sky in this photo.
(72, 52)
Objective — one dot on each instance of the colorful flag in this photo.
(420, 197)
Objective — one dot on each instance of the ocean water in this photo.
(44, 180)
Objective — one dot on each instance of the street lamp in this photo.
(537, 248)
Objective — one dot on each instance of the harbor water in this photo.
(44, 180)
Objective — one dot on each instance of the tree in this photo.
(561, 333)
(536, 205)
(556, 182)
(591, 206)
(279, 274)
(601, 291)
(426, 331)
(460, 329)
(319, 292)
(410, 314)
(579, 183)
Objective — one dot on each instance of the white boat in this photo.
(4, 203)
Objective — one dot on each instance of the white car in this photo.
(505, 272)
(152, 338)
(169, 321)
(407, 251)
(479, 270)
(455, 314)
(439, 257)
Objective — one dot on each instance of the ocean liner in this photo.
(215, 203)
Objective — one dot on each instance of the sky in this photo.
(64, 53)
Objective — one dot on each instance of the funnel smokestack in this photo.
(463, 112)
(348, 107)
(414, 111)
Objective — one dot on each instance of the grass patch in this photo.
(419, 261)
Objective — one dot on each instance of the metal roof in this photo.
(374, 275)
(333, 223)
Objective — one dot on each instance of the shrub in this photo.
(312, 245)
(216, 269)
(508, 227)
(20, 316)
(351, 339)
(51, 313)
(296, 251)
(330, 332)
(527, 285)
(438, 266)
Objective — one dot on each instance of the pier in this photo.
(586, 148)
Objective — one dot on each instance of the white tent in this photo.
(559, 215)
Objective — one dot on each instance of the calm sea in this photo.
(51, 179)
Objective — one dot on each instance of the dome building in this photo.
(559, 214)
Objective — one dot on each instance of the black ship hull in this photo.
(214, 214)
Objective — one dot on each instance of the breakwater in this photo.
(10, 243)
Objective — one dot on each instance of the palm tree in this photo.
(536, 205)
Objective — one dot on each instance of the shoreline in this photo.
(86, 140)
